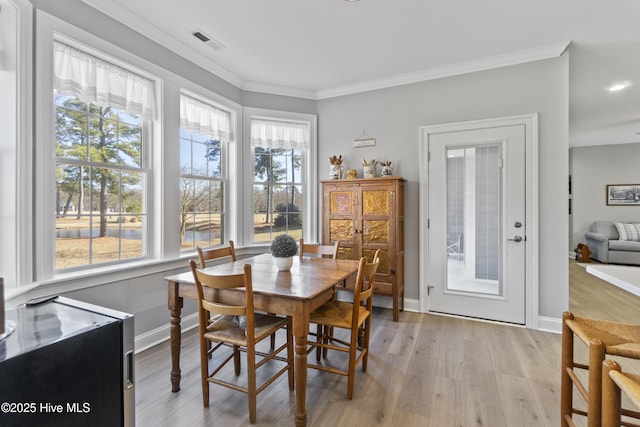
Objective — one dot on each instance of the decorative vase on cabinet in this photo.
(367, 215)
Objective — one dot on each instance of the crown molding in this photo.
(279, 90)
(514, 58)
(154, 33)
(159, 36)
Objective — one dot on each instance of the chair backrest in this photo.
(205, 255)
(323, 251)
(207, 301)
(363, 288)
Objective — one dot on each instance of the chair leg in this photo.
(204, 370)
(353, 347)
(251, 384)
(328, 334)
(290, 355)
(365, 346)
(566, 386)
(319, 339)
(236, 360)
(594, 407)
(611, 396)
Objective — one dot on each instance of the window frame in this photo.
(38, 256)
(227, 169)
(309, 172)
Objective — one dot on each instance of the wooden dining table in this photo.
(295, 293)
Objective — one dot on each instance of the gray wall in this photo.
(592, 168)
(393, 117)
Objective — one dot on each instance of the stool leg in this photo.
(566, 386)
(610, 396)
(594, 407)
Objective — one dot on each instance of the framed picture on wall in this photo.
(623, 195)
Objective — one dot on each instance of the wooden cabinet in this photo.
(367, 215)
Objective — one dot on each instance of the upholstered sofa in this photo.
(614, 242)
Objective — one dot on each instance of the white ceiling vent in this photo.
(204, 38)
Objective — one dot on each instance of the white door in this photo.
(476, 223)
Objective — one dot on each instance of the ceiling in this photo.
(322, 48)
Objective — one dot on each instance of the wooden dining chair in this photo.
(322, 251)
(351, 316)
(602, 337)
(227, 331)
(205, 255)
(615, 384)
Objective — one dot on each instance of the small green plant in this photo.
(284, 246)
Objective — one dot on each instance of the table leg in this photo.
(175, 303)
(300, 330)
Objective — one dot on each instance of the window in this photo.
(102, 111)
(204, 131)
(279, 151)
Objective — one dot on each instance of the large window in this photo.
(278, 149)
(100, 175)
(204, 132)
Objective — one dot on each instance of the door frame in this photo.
(530, 122)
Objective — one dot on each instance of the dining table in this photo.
(295, 293)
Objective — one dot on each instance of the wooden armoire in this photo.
(367, 215)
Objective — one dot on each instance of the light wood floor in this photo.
(590, 296)
(423, 371)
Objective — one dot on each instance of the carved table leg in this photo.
(175, 310)
(300, 330)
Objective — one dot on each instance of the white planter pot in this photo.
(284, 264)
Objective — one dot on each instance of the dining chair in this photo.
(615, 384)
(205, 255)
(322, 251)
(228, 331)
(352, 316)
(602, 337)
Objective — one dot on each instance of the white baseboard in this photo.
(550, 324)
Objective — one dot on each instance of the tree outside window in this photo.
(201, 191)
(277, 193)
(100, 212)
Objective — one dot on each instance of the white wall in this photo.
(393, 117)
(592, 168)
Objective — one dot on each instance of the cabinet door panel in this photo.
(375, 231)
(342, 203)
(375, 202)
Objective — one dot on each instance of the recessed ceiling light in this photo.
(617, 87)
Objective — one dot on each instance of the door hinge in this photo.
(428, 156)
(429, 287)
(500, 162)
(428, 222)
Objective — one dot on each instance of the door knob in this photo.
(516, 239)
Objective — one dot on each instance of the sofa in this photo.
(614, 242)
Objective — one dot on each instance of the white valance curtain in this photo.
(91, 79)
(279, 134)
(204, 119)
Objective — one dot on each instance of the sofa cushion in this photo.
(624, 245)
(628, 232)
(606, 228)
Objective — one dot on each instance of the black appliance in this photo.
(67, 363)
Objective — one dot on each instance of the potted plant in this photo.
(283, 249)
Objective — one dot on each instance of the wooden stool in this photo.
(601, 337)
(615, 383)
